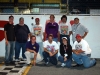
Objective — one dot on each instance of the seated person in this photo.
(66, 53)
(50, 51)
(81, 50)
(32, 47)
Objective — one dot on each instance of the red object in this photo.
(78, 35)
(71, 22)
(2, 23)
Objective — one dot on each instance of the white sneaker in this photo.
(63, 64)
(17, 60)
(24, 59)
(47, 63)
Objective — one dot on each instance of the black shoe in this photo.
(12, 63)
(7, 64)
(46, 64)
(77, 65)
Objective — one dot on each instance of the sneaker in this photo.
(12, 63)
(63, 65)
(24, 59)
(17, 60)
(46, 63)
(7, 64)
(77, 65)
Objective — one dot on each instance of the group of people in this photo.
(45, 43)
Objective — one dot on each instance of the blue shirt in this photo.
(34, 47)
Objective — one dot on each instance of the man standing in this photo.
(9, 41)
(22, 33)
(50, 50)
(32, 47)
(52, 28)
(65, 29)
(78, 28)
(37, 30)
(81, 53)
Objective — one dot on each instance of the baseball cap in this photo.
(78, 35)
(37, 19)
(64, 38)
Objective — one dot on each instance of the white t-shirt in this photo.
(50, 46)
(83, 45)
(64, 28)
(37, 30)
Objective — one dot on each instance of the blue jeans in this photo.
(83, 59)
(55, 39)
(9, 51)
(41, 48)
(68, 62)
(66, 37)
(51, 59)
(18, 47)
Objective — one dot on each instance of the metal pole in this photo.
(67, 7)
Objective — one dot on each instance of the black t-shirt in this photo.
(21, 33)
(9, 28)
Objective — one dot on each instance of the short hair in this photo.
(21, 18)
(11, 16)
(76, 18)
(52, 15)
(50, 35)
(32, 36)
(64, 16)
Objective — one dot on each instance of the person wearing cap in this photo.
(22, 34)
(37, 30)
(78, 28)
(51, 28)
(65, 29)
(50, 51)
(66, 53)
(81, 53)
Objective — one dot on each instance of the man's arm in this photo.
(51, 54)
(77, 51)
(29, 34)
(5, 37)
(56, 51)
(45, 49)
(30, 50)
(84, 35)
(74, 51)
(70, 32)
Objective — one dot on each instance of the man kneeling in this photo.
(31, 47)
(50, 51)
(81, 53)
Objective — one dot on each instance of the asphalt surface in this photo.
(41, 69)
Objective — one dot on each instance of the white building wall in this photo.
(91, 22)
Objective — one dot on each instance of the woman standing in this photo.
(66, 53)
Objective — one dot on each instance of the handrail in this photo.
(49, 14)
